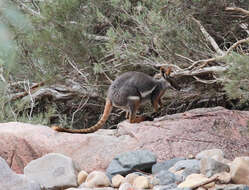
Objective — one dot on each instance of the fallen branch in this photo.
(25, 93)
(209, 37)
(206, 70)
(206, 61)
(237, 9)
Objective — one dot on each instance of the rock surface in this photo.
(52, 171)
(193, 180)
(156, 168)
(97, 179)
(212, 153)
(240, 170)
(209, 167)
(12, 181)
(172, 136)
(231, 187)
(128, 162)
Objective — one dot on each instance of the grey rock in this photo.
(12, 181)
(129, 162)
(165, 187)
(165, 177)
(169, 187)
(188, 167)
(52, 171)
(209, 167)
(187, 171)
(86, 188)
(210, 153)
(156, 168)
(232, 187)
(187, 164)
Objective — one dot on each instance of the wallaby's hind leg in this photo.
(156, 100)
(133, 108)
(127, 114)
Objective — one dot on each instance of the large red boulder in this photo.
(171, 136)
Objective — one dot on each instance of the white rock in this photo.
(97, 179)
(195, 179)
(82, 175)
(126, 186)
(141, 182)
(117, 180)
(131, 177)
(12, 181)
(211, 153)
(239, 170)
(52, 171)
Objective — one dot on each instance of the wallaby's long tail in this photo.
(101, 122)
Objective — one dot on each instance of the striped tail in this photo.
(101, 122)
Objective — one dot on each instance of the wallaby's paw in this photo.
(148, 118)
(56, 128)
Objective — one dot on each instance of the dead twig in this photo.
(246, 12)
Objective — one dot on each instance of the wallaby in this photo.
(128, 92)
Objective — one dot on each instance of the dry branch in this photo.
(206, 70)
(209, 37)
(246, 12)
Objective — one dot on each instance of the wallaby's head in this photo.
(165, 73)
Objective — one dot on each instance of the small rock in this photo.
(239, 170)
(224, 177)
(187, 164)
(117, 180)
(209, 167)
(195, 179)
(12, 181)
(52, 171)
(231, 187)
(87, 188)
(169, 187)
(141, 182)
(126, 186)
(82, 177)
(217, 153)
(165, 187)
(165, 178)
(201, 188)
(156, 168)
(126, 163)
(131, 177)
(97, 179)
(184, 168)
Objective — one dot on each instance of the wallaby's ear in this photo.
(165, 72)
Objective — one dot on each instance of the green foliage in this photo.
(88, 41)
(237, 78)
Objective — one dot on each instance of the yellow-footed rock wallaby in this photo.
(128, 92)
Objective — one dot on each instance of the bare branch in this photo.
(209, 38)
(236, 44)
(206, 61)
(246, 12)
(213, 69)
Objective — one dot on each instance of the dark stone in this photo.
(188, 164)
(125, 163)
(156, 168)
(165, 177)
(232, 187)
